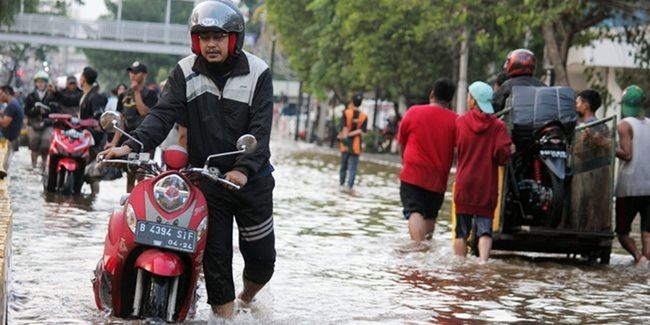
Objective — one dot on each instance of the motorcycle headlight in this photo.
(131, 219)
(202, 229)
(171, 192)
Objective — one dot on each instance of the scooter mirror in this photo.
(109, 120)
(247, 142)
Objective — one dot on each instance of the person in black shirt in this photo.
(69, 97)
(92, 106)
(134, 105)
(518, 68)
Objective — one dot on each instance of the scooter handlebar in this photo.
(214, 175)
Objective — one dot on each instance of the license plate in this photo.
(165, 236)
(553, 153)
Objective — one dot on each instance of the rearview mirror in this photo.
(247, 143)
(109, 120)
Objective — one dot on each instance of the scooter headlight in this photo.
(131, 219)
(171, 192)
(202, 229)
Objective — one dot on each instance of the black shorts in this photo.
(626, 210)
(417, 199)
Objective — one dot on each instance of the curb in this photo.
(5, 232)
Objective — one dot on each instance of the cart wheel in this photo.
(604, 256)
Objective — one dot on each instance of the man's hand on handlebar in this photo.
(114, 152)
(236, 177)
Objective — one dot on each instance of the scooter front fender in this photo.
(556, 165)
(160, 263)
(68, 163)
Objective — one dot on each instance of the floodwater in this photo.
(341, 259)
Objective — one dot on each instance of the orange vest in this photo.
(350, 124)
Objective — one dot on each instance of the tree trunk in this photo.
(555, 55)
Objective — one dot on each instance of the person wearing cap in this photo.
(483, 144)
(216, 95)
(427, 155)
(633, 186)
(134, 105)
(69, 97)
(40, 127)
(353, 124)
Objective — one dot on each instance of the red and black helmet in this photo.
(520, 62)
(218, 16)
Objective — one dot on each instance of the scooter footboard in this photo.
(160, 263)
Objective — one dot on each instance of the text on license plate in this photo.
(553, 153)
(166, 236)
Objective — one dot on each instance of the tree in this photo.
(111, 65)
(398, 46)
(566, 23)
(15, 54)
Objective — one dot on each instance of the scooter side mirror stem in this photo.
(216, 155)
(116, 128)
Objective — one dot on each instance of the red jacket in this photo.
(483, 144)
(426, 134)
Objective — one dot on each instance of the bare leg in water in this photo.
(420, 228)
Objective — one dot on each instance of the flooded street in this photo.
(341, 259)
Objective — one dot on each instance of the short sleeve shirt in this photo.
(15, 111)
(126, 106)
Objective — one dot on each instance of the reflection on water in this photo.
(341, 259)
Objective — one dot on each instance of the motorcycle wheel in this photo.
(155, 302)
(604, 256)
(554, 215)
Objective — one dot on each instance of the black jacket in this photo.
(92, 104)
(502, 94)
(36, 117)
(30, 101)
(69, 100)
(216, 112)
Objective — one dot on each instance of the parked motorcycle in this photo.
(154, 247)
(538, 174)
(69, 153)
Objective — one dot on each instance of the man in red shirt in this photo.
(426, 143)
(483, 144)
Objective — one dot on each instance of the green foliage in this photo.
(8, 8)
(399, 46)
(402, 46)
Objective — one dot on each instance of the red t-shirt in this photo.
(427, 135)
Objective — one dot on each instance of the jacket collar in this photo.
(240, 66)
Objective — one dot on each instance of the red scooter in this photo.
(69, 153)
(154, 246)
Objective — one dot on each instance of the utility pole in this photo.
(119, 9)
(374, 114)
(22, 7)
(168, 11)
(272, 54)
(298, 112)
(308, 130)
(461, 91)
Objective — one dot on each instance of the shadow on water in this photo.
(340, 259)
